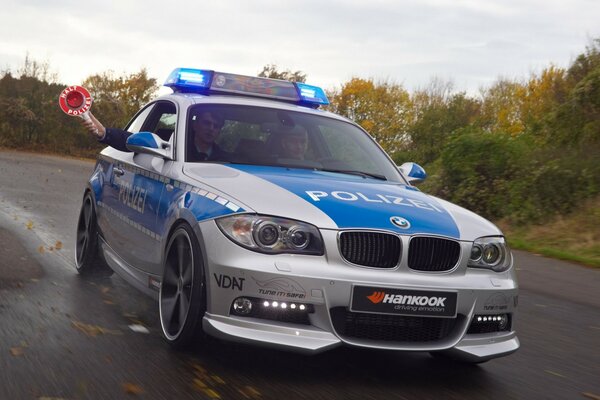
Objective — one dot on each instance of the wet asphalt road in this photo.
(65, 337)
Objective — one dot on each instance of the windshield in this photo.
(266, 136)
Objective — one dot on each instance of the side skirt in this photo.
(144, 282)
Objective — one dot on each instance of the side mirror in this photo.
(413, 172)
(149, 143)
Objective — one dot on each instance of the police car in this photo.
(332, 245)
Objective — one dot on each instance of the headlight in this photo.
(272, 235)
(490, 252)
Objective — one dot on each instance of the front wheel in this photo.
(89, 261)
(182, 298)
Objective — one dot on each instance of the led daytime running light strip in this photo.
(283, 305)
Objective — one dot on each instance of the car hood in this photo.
(340, 201)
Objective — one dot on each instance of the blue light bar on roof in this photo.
(207, 81)
(311, 94)
(189, 79)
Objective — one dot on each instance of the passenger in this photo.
(294, 143)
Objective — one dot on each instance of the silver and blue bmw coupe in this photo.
(293, 230)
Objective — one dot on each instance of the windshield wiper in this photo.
(351, 172)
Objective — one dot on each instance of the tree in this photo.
(543, 93)
(438, 118)
(39, 70)
(118, 98)
(382, 108)
(272, 71)
(501, 108)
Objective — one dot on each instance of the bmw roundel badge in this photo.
(400, 222)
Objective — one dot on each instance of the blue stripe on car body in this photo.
(363, 203)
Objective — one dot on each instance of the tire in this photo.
(88, 259)
(182, 297)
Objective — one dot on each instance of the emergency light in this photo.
(208, 82)
(76, 101)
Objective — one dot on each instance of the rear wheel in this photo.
(89, 261)
(182, 299)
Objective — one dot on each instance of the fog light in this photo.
(242, 306)
(489, 323)
(503, 322)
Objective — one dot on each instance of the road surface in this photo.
(65, 337)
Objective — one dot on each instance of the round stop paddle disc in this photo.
(75, 100)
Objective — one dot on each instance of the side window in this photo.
(135, 125)
(161, 120)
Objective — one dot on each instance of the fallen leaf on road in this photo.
(211, 393)
(199, 384)
(104, 289)
(591, 396)
(41, 250)
(58, 245)
(554, 373)
(108, 302)
(16, 351)
(250, 393)
(130, 388)
(253, 392)
(50, 248)
(93, 330)
(218, 379)
(199, 369)
(139, 328)
(29, 224)
(50, 398)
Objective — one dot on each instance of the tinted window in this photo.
(265, 136)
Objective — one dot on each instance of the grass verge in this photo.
(573, 237)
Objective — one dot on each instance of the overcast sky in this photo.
(471, 42)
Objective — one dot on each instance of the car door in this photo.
(132, 193)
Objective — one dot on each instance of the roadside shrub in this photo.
(476, 170)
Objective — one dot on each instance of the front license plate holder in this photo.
(398, 301)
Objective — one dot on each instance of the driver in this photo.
(206, 127)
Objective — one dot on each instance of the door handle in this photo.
(118, 171)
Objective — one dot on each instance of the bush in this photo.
(476, 170)
(498, 176)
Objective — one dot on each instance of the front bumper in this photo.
(327, 282)
(310, 340)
